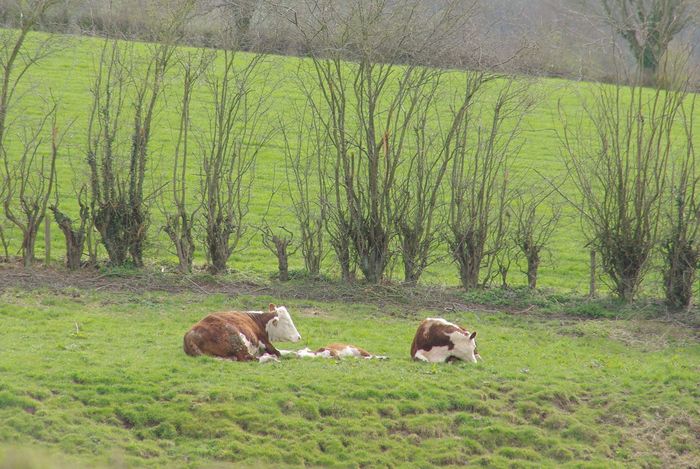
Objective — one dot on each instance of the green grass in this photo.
(68, 75)
(100, 379)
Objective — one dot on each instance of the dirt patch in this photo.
(394, 299)
(74, 283)
(670, 439)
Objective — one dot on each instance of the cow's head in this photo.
(281, 328)
(476, 351)
(465, 345)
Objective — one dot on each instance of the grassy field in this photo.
(99, 378)
(68, 74)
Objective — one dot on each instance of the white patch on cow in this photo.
(441, 321)
(286, 353)
(268, 358)
(254, 350)
(282, 328)
(463, 349)
(434, 355)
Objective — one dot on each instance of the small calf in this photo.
(437, 341)
(336, 350)
(241, 336)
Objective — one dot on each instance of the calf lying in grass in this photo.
(437, 340)
(241, 336)
(335, 350)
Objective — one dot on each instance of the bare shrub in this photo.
(535, 219)
(15, 60)
(121, 207)
(368, 107)
(482, 149)
(75, 236)
(30, 181)
(278, 241)
(418, 194)
(229, 150)
(617, 157)
(305, 172)
(681, 242)
(179, 217)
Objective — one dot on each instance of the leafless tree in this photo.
(367, 107)
(305, 171)
(535, 219)
(681, 241)
(121, 207)
(484, 145)
(279, 240)
(16, 58)
(618, 156)
(179, 217)
(30, 181)
(648, 26)
(418, 194)
(75, 235)
(237, 131)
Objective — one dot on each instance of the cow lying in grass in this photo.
(437, 341)
(241, 336)
(335, 351)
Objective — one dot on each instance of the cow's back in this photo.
(432, 333)
(218, 334)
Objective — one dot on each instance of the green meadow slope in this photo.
(101, 379)
(68, 73)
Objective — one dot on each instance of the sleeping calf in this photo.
(437, 340)
(241, 336)
(336, 351)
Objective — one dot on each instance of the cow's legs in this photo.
(269, 348)
(420, 356)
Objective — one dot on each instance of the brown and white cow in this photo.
(241, 336)
(437, 340)
(337, 350)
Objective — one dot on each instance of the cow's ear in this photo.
(473, 335)
(273, 308)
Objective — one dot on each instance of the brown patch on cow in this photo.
(336, 348)
(218, 335)
(433, 334)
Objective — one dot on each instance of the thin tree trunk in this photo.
(47, 239)
(591, 284)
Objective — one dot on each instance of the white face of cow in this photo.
(281, 328)
(465, 346)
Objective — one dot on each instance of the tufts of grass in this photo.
(118, 390)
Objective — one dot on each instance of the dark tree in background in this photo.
(648, 26)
